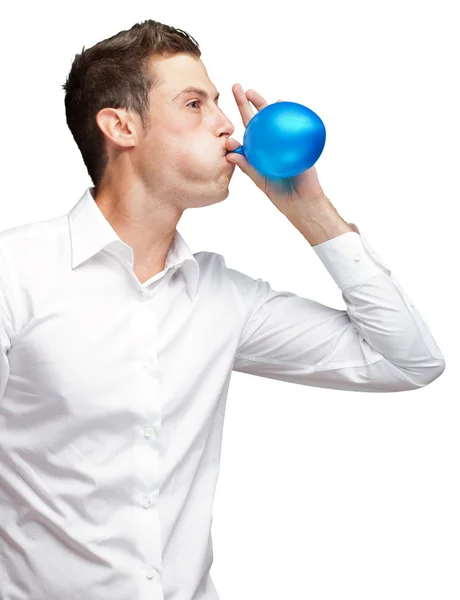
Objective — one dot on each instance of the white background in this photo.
(322, 494)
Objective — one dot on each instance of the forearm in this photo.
(319, 221)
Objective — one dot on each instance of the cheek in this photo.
(192, 154)
(186, 148)
(195, 164)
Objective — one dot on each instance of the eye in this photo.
(194, 102)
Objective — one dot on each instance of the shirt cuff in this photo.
(349, 259)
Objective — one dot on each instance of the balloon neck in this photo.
(239, 150)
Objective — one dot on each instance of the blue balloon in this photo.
(283, 139)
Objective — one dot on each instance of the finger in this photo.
(256, 99)
(242, 101)
(232, 144)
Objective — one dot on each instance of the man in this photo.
(118, 344)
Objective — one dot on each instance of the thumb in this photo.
(247, 168)
(243, 164)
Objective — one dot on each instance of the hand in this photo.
(290, 195)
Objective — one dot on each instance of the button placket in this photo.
(146, 500)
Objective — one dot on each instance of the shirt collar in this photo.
(90, 232)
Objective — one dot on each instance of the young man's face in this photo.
(182, 156)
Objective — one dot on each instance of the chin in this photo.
(220, 194)
(210, 195)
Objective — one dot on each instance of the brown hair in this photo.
(115, 73)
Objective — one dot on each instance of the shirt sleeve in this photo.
(379, 343)
(5, 323)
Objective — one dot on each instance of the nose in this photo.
(226, 126)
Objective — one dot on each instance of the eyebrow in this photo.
(198, 91)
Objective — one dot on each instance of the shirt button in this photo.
(146, 502)
(148, 431)
(142, 296)
(357, 256)
(150, 573)
(145, 364)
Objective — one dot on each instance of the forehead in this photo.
(179, 73)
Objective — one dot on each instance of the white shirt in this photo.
(113, 394)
